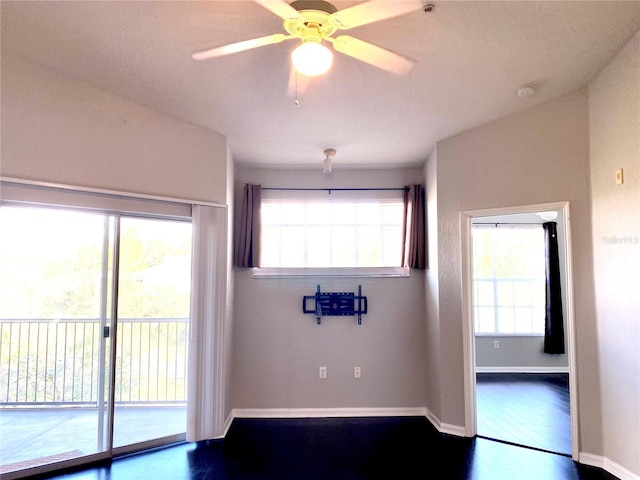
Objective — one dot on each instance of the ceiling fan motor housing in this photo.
(319, 5)
(314, 22)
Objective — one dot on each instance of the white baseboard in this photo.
(327, 412)
(591, 459)
(451, 429)
(227, 424)
(435, 421)
(446, 428)
(608, 465)
(522, 369)
(346, 412)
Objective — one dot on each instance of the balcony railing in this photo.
(57, 362)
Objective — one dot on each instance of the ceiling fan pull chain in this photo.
(296, 101)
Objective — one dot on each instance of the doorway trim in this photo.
(466, 218)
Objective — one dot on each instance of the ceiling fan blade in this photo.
(373, 11)
(373, 55)
(279, 8)
(239, 46)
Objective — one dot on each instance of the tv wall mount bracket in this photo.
(335, 304)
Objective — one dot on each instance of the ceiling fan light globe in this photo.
(312, 59)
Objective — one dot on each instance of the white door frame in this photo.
(466, 218)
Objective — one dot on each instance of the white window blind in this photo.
(329, 229)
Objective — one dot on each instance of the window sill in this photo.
(370, 272)
(510, 335)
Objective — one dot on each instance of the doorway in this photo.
(494, 352)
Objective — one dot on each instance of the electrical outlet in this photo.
(356, 372)
(496, 344)
(322, 373)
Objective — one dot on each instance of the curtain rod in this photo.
(404, 189)
(507, 223)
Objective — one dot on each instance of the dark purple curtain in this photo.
(413, 228)
(248, 254)
(553, 323)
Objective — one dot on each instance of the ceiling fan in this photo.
(314, 22)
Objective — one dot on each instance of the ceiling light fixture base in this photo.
(329, 152)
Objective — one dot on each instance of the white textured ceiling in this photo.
(471, 57)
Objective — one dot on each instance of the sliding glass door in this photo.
(94, 313)
(153, 324)
(55, 297)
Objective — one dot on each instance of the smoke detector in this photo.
(526, 91)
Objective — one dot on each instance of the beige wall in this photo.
(57, 129)
(537, 156)
(277, 349)
(614, 103)
(228, 328)
(432, 295)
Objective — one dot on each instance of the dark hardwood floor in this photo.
(340, 449)
(526, 409)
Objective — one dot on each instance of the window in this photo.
(337, 228)
(509, 280)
